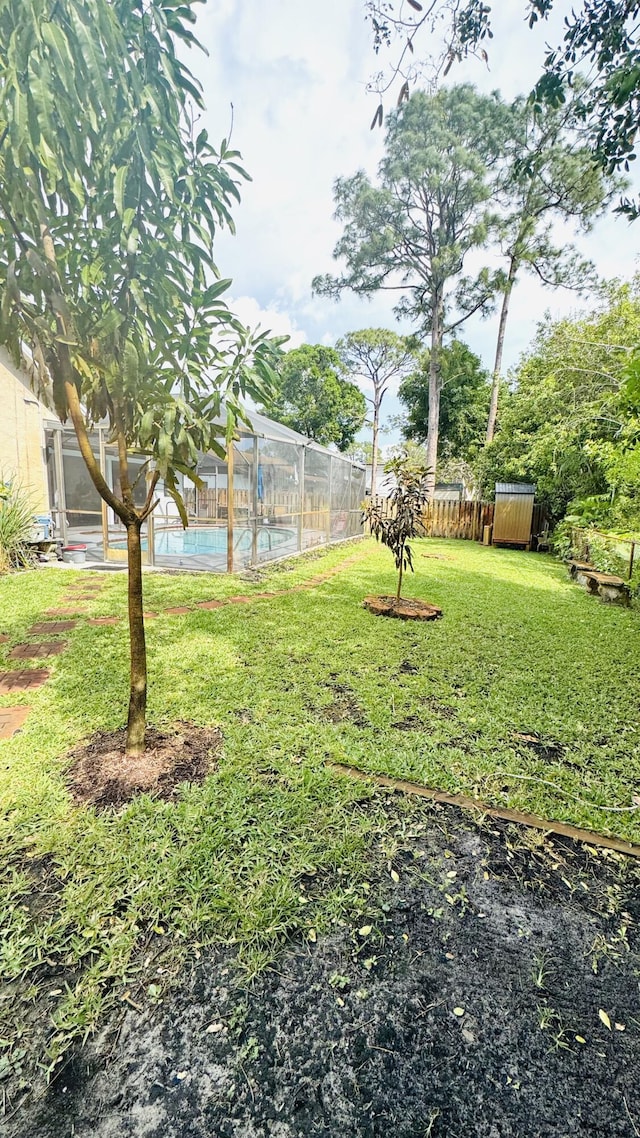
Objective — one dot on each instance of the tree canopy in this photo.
(600, 37)
(547, 176)
(313, 397)
(464, 402)
(570, 424)
(412, 232)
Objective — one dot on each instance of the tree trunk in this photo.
(136, 722)
(374, 452)
(497, 367)
(433, 424)
(399, 581)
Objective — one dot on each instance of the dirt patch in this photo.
(403, 609)
(344, 707)
(102, 775)
(464, 999)
(545, 748)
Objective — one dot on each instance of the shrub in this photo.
(16, 524)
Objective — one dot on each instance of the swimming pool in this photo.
(198, 541)
(211, 541)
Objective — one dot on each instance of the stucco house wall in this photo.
(21, 433)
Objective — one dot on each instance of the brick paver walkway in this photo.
(11, 720)
(38, 651)
(43, 627)
(87, 589)
(23, 680)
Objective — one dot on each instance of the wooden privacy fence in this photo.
(465, 520)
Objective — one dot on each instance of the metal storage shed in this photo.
(513, 513)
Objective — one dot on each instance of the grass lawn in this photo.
(95, 900)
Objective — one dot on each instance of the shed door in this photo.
(512, 519)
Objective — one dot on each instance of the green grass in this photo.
(292, 681)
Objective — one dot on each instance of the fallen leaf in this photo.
(395, 876)
(365, 930)
(580, 1039)
(452, 875)
(181, 1075)
(214, 1028)
(621, 1027)
(605, 1018)
(312, 935)
(458, 1011)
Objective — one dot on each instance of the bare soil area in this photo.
(487, 988)
(102, 775)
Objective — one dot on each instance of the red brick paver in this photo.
(37, 651)
(104, 620)
(70, 610)
(210, 604)
(47, 626)
(3, 638)
(26, 678)
(11, 720)
(178, 610)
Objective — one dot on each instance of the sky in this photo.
(291, 76)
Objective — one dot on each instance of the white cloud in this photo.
(251, 313)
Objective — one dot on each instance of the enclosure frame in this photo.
(275, 495)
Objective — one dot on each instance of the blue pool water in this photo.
(203, 541)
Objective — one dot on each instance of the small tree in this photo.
(109, 204)
(406, 502)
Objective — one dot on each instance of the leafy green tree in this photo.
(109, 203)
(601, 37)
(313, 397)
(464, 402)
(360, 452)
(414, 230)
(377, 357)
(548, 176)
(569, 424)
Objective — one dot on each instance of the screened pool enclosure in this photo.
(277, 494)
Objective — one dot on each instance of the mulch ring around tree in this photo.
(403, 609)
(102, 775)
